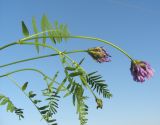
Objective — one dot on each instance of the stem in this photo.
(39, 57)
(31, 69)
(59, 52)
(35, 36)
(10, 44)
(20, 70)
(50, 47)
(89, 38)
(32, 36)
(91, 91)
(16, 83)
(22, 41)
(106, 42)
(93, 38)
(45, 45)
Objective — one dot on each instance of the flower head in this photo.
(141, 70)
(99, 54)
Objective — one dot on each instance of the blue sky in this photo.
(132, 25)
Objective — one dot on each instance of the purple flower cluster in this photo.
(99, 54)
(141, 70)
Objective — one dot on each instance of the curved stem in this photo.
(16, 83)
(7, 45)
(31, 69)
(20, 70)
(96, 39)
(34, 36)
(22, 41)
(106, 42)
(59, 52)
(89, 38)
(48, 46)
(39, 57)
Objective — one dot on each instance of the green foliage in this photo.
(10, 106)
(98, 84)
(83, 111)
(61, 85)
(48, 109)
(81, 61)
(31, 94)
(50, 85)
(82, 108)
(43, 27)
(78, 98)
(25, 30)
(71, 87)
(35, 31)
(74, 83)
(56, 33)
(76, 74)
(69, 68)
(24, 86)
(52, 99)
(19, 112)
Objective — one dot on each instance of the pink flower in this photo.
(141, 70)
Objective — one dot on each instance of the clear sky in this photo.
(131, 24)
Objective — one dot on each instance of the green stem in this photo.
(91, 91)
(89, 38)
(20, 70)
(59, 52)
(50, 47)
(96, 39)
(31, 69)
(39, 57)
(35, 36)
(106, 42)
(22, 41)
(16, 83)
(10, 44)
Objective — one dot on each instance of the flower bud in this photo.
(99, 54)
(99, 103)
